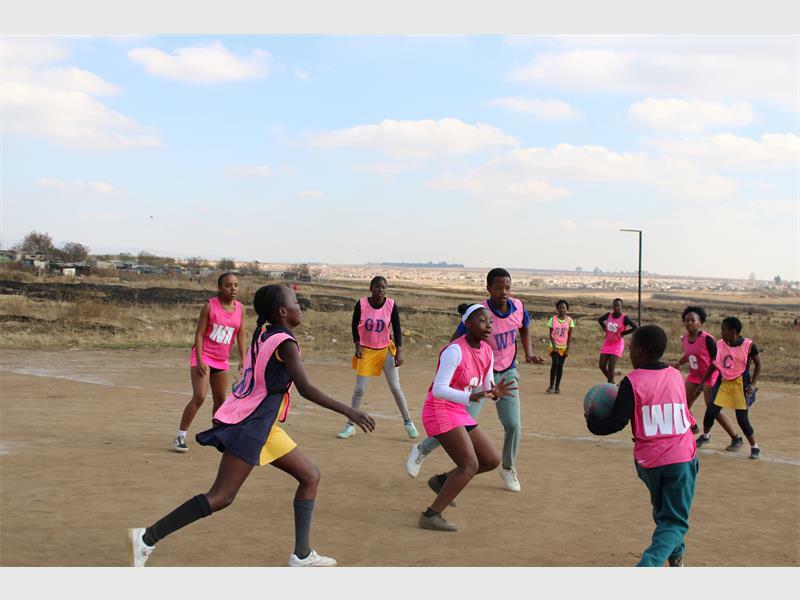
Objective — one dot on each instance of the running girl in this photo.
(699, 351)
(614, 325)
(375, 351)
(509, 319)
(246, 431)
(561, 327)
(734, 389)
(464, 375)
(219, 324)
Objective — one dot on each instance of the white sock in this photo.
(182, 433)
(706, 436)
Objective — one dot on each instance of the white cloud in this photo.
(689, 116)
(248, 171)
(708, 67)
(496, 186)
(543, 109)
(568, 224)
(202, 64)
(30, 50)
(565, 163)
(60, 102)
(726, 150)
(310, 194)
(99, 187)
(416, 139)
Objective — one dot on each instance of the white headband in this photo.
(471, 310)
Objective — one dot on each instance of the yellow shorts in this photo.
(562, 350)
(731, 394)
(371, 362)
(278, 442)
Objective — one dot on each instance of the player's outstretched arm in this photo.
(290, 354)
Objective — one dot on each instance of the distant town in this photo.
(37, 254)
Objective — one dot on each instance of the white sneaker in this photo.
(348, 431)
(509, 477)
(312, 560)
(138, 551)
(179, 444)
(414, 460)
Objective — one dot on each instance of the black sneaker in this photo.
(179, 444)
(755, 453)
(676, 561)
(736, 443)
(558, 391)
(436, 483)
(702, 440)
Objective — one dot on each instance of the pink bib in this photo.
(474, 366)
(236, 408)
(697, 354)
(561, 331)
(220, 334)
(661, 421)
(373, 328)
(503, 340)
(732, 360)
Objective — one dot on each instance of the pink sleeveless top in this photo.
(503, 340)
(220, 334)
(614, 342)
(661, 421)
(235, 409)
(732, 360)
(373, 328)
(697, 354)
(561, 331)
(474, 366)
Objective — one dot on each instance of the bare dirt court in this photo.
(85, 454)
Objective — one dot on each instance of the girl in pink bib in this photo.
(219, 325)
(735, 388)
(699, 351)
(652, 398)
(375, 319)
(464, 375)
(614, 325)
(560, 326)
(246, 432)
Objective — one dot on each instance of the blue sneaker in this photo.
(411, 430)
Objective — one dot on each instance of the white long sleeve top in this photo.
(448, 363)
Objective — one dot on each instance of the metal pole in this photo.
(639, 231)
(640, 279)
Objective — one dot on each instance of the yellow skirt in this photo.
(278, 442)
(562, 350)
(731, 394)
(371, 362)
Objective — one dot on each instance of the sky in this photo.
(514, 151)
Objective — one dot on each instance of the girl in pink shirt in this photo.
(699, 351)
(245, 431)
(220, 323)
(464, 375)
(652, 398)
(615, 325)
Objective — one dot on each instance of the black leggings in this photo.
(712, 410)
(741, 417)
(556, 368)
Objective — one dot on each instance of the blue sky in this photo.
(483, 150)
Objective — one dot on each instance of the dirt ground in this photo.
(84, 453)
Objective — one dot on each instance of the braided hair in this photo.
(266, 302)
